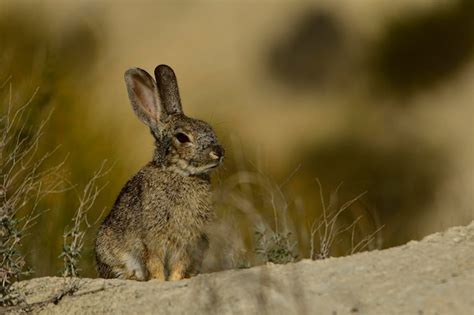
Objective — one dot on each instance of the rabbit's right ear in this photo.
(143, 94)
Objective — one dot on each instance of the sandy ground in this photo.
(433, 276)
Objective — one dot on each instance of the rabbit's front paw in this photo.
(156, 269)
(135, 270)
(178, 272)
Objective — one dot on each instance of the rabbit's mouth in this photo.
(204, 168)
(187, 168)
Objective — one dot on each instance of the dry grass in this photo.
(74, 235)
(327, 229)
(277, 234)
(24, 182)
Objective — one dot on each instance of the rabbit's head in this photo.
(186, 145)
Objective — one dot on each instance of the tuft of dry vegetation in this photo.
(24, 182)
(251, 193)
(74, 234)
(275, 247)
(327, 228)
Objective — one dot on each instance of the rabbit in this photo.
(156, 228)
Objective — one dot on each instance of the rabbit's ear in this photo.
(144, 96)
(168, 87)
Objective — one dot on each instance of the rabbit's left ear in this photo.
(168, 89)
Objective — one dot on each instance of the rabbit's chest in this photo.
(190, 208)
(184, 206)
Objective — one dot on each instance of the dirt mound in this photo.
(433, 276)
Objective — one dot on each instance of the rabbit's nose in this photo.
(217, 153)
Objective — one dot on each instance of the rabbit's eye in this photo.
(183, 138)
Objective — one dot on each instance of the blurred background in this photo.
(376, 95)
